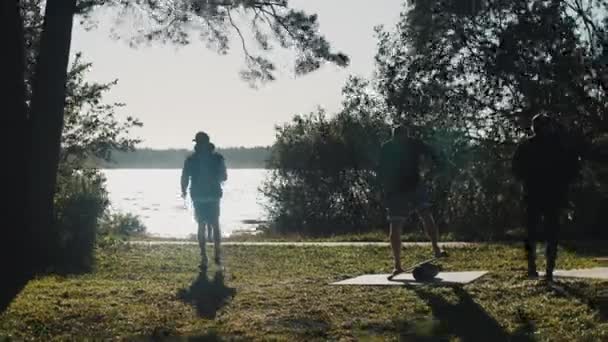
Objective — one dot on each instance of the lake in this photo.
(154, 195)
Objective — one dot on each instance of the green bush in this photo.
(321, 182)
(82, 222)
(80, 202)
(116, 228)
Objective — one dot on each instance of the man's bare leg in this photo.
(209, 233)
(395, 237)
(215, 227)
(431, 230)
(202, 244)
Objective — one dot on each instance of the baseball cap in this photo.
(201, 137)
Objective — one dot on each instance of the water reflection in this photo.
(154, 195)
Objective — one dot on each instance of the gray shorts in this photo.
(401, 205)
(206, 211)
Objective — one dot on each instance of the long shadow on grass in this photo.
(208, 296)
(467, 320)
(592, 296)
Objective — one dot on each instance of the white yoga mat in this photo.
(446, 278)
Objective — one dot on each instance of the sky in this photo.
(177, 91)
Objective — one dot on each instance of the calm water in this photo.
(154, 195)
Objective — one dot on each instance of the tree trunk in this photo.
(46, 122)
(13, 240)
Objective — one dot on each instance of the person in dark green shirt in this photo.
(403, 192)
(205, 171)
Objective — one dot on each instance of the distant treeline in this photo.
(236, 158)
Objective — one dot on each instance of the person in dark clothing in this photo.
(546, 168)
(403, 193)
(205, 171)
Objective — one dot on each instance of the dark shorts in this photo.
(402, 205)
(206, 211)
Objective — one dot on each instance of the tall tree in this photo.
(46, 119)
(12, 96)
(491, 65)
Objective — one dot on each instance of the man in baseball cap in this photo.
(205, 171)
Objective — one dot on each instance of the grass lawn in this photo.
(281, 293)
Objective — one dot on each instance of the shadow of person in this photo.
(208, 296)
(594, 297)
(467, 320)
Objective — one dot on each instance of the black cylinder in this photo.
(425, 272)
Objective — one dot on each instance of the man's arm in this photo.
(381, 169)
(185, 179)
(222, 172)
(380, 164)
(572, 167)
(518, 164)
(437, 157)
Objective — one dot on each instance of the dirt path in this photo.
(305, 244)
